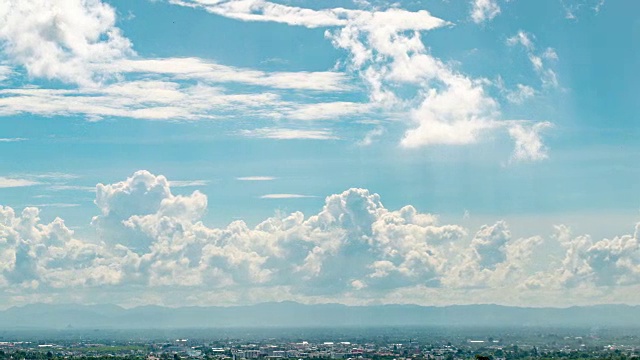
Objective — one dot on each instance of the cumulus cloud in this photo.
(47, 255)
(493, 259)
(149, 238)
(61, 40)
(606, 262)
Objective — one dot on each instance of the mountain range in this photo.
(292, 314)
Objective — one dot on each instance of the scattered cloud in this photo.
(384, 50)
(520, 94)
(290, 134)
(529, 146)
(82, 47)
(547, 76)
(371, 136)
(9, 140)
(573, 8)
(484, 10)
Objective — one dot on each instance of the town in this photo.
(364, 344)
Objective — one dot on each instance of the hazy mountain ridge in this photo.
(291, 314)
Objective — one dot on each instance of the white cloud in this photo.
(371, 136)
(285, 196)
(5, 72)
(458, 115)
(61, 40)
(188, 183)
(8, 140)
(528, 143)
(256, 178)
(607, 262)
(148, 99)
(72, 187)
(573, 8)
(261, 10)
(547, 76)
(6, 182)
(484, 10)
(353, 249)
(290, 134)
(522, 93)
(55, 205)
(78, 43)
(201, 70)
(550, 54)
(386, 51)
(523, 39)
(329, 111)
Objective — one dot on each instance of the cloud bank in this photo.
(353, 250)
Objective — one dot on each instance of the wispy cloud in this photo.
(286, 196)
(72, 188)
(144, 99)
(7, 140)
(202, 70)
(56, 205)
(6, 182)
(54, 176)
(371, 136)
(256, 178)
(290, 134)
(539, 61)
(329, 110)
(188, 183)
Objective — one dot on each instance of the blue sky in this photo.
(509, 127)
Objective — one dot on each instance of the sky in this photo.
(226, 152)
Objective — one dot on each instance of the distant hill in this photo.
(291, 314)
